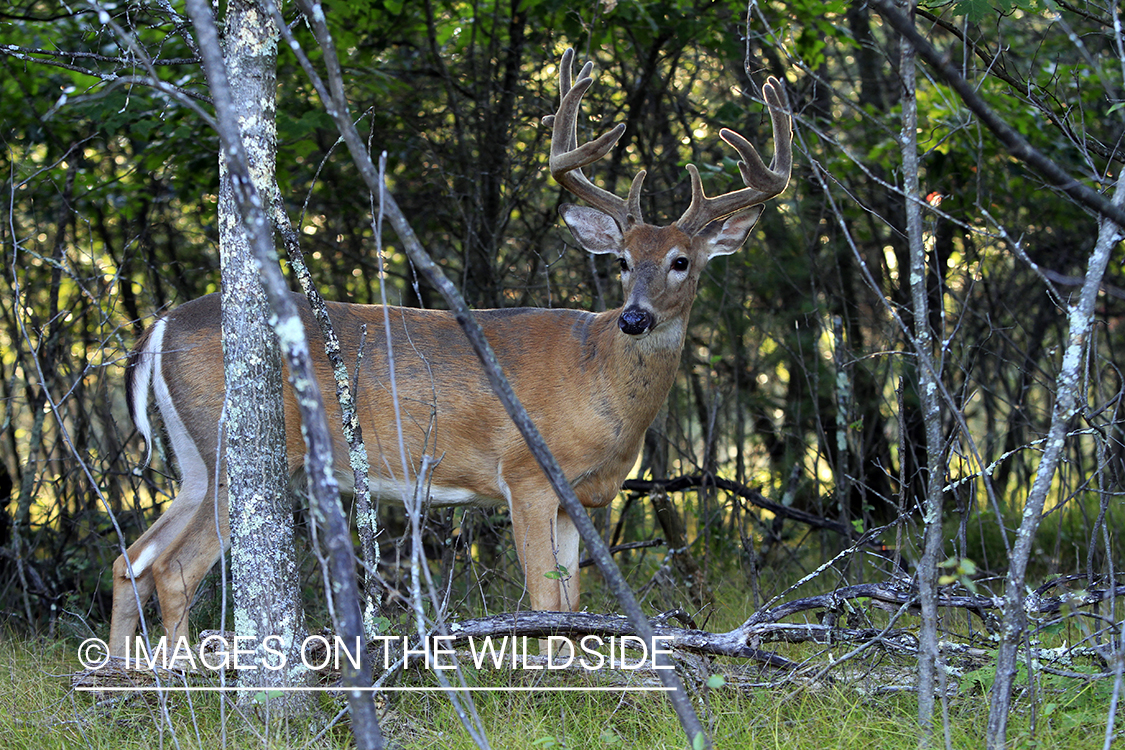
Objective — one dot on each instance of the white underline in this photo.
(421, 689)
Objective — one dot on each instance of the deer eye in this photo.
(680, 264)
(624, 264)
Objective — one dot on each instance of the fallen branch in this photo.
(658, 542)
(533, 624)
(765, 625)
(700, 481)
(882, 593)
(762, 626)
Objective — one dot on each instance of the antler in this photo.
(568, 158)
(762, 183)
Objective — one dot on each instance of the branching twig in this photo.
(700, 481)
(335, 103)
(1016, 144)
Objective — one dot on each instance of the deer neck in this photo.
(638, 372)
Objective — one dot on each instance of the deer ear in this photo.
(595, 231)
(725, 236)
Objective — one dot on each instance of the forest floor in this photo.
(865, 703)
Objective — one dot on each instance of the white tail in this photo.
(592, 383)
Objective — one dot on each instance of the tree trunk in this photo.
(263, 558)
(929, 657)
(1069, 397)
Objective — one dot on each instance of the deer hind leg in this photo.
(127, 603)
(158, 555)
(175, 553)
(183, 564)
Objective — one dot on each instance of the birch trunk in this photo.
(1068, 400)
(927, 367)
(263, 558)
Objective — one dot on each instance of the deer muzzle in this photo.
(636, 321)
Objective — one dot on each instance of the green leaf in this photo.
(609, 737)
(264, 695)
(716, 681)
(975, 10)
(558, 573)
(982, 678)
(447, 31)
(555, 575)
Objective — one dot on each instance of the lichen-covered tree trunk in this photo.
(263, 559)
(1069, 398)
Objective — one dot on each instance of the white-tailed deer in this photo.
(592, 383)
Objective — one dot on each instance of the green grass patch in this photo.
(39, 709)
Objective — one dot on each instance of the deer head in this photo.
(660, 266)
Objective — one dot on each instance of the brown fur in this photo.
(589, 388)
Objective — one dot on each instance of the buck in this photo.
(592, 383)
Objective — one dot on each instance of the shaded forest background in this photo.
(799, 380)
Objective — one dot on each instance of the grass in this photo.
(855, 706)
(38, 709)
(737, 720)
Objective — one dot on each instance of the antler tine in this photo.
(762, 182)
(568, 158)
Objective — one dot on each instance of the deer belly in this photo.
(394, 491)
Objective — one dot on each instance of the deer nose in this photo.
(635, 321)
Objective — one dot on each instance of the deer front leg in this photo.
(566, 545)
(547, 545)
